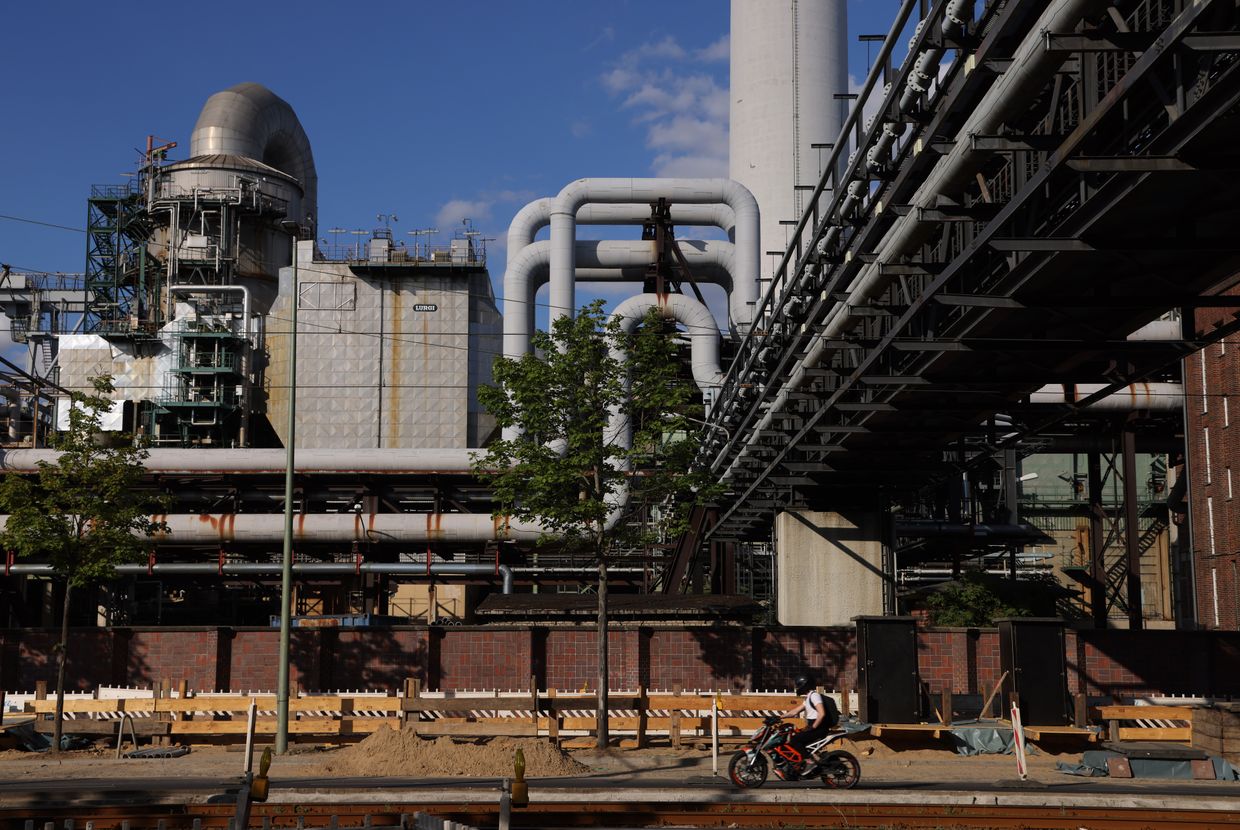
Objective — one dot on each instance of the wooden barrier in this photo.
(1148, 723)
(213, 717)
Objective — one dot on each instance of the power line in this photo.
(44, 224)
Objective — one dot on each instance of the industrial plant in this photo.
(916, 376)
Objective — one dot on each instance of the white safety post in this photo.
(505, 805)
(249, 736)
(1018, 736)
(714, 733)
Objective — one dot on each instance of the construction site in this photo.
(978, 332)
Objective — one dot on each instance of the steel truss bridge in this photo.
(1024, 192)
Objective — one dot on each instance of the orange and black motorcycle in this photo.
(768, 750)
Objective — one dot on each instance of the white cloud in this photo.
(690, 167)
(685, 133)
(581, 128)
(717, 52)
(455, 211)
(479, 210)
(682, 105)
(607, 34)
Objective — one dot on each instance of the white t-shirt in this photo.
(812, 701)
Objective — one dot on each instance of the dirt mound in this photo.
(398, 753)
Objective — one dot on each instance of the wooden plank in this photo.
(674, 726)
(652, 724)
(880, 729)
(1037, 733)
(472, 704)
(1182, 734)
(1181, 713)
(217, 703)
(299, 726)
(553, 726)
(1080, 710)
(144, 727)
(642, 710)
(534, 698)
(512, 729)
(590, 702)
(579, 743)
(728, 703)
(76, 707)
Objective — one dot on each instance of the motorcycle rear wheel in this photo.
(840, 770)
(745, 774)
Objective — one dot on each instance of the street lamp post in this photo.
(286, 561)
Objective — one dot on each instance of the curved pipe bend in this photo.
(579, 193)
(704, 349)
(712, 261)
(252, 121)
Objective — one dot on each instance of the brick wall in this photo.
(958, 659)
(1213, 407)
(156, 654)
(783, 653)
(1110, 662)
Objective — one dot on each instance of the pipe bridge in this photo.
(998, 220)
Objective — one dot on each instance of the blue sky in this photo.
(429, 110)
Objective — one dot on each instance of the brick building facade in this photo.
(1212, 437)
(1110, 662)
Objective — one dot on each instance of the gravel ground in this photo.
(881, 765)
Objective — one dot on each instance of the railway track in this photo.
(376, 814)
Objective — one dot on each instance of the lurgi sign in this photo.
(425, 307)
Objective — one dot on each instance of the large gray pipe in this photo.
(268, 528)
(711, 261)
(537, 215)
(299, 568)
(1156, 397)
(582, 192)
(704, 346)
(252, 121)
(309, 461)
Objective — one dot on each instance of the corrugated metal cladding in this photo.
(386, 357)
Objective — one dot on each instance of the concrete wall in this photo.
(828, 566)
(386, 357)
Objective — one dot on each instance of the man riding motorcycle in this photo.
(821, 716)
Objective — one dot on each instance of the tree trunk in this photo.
(62, 651)
(601, 723)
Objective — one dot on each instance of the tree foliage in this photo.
(565, 470)
(568, 469)
(83, 514)
(976, 600)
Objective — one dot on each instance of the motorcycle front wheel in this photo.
(746, 774)
(840, 770)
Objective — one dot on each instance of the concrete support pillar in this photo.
(829, 566)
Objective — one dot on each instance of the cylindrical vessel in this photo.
(789, 60)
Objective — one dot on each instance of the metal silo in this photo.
(789, 60)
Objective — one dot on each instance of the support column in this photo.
(1097, 543)
(829, 567)
(1132, 529)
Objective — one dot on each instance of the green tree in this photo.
(83, 514)
(567, 470)
(977, 599)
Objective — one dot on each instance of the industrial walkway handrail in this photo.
(748, 347)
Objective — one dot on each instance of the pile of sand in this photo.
(402, 754)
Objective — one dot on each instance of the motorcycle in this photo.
(768, 750)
